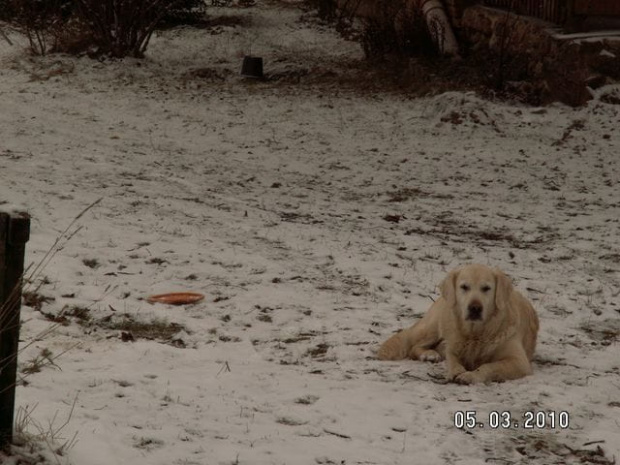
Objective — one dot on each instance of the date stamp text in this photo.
(470, 419)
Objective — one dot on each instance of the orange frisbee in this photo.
(176, 298)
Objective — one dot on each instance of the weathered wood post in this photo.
(14, 233)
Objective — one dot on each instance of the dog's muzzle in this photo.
(474, 311)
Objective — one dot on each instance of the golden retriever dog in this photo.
(483, 327)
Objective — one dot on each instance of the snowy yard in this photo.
(316, 222)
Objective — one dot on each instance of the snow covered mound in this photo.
(465, 109)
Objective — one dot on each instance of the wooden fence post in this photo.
(14, 233)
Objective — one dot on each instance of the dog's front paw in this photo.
(468, 377)
(431, 356)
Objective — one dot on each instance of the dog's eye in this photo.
(486, 288)
(465, 287)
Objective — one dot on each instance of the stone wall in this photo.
(558, 67)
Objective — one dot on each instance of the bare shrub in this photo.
(49, 25)
(340, 13)
(378, 38)
(503, 38)
(40, 21)
(327, 9)
(123, 28)
(117, 28)
(74, 38)
(396, 28)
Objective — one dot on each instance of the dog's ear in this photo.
(503, 290)
(447, 288)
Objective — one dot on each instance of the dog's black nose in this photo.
(474, 311)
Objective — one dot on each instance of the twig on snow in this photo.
(334, 433)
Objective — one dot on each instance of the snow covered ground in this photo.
(316, 221)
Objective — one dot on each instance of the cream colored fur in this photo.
(483, 327)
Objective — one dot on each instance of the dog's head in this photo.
(476, 292)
